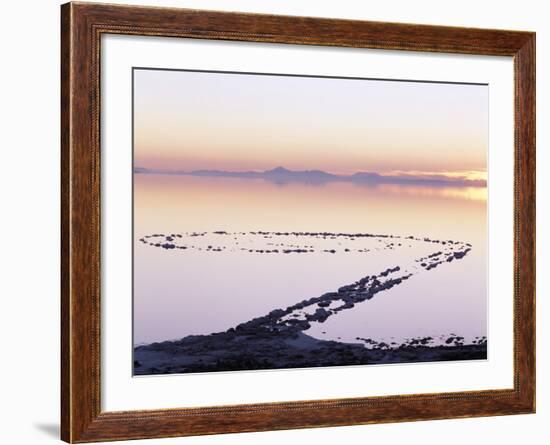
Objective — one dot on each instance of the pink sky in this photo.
(193, 120)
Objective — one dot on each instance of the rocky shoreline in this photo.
(277, 340)
(237, 350)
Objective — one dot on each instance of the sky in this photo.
(194, 120)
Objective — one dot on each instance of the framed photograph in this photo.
(275, 222)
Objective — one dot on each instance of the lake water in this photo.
(198, 290)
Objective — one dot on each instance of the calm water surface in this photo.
(183, 292)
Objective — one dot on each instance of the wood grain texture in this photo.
(81, 28)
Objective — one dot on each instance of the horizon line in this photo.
(282, 174)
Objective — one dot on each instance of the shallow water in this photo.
(200, 290)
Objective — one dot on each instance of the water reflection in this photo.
(179, 292)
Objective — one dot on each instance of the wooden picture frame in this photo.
(82, 25)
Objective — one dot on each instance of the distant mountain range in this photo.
(283, 175)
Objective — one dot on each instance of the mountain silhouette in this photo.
(283, 175)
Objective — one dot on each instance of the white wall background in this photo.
(29, 218)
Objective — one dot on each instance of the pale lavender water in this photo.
(183, 292)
